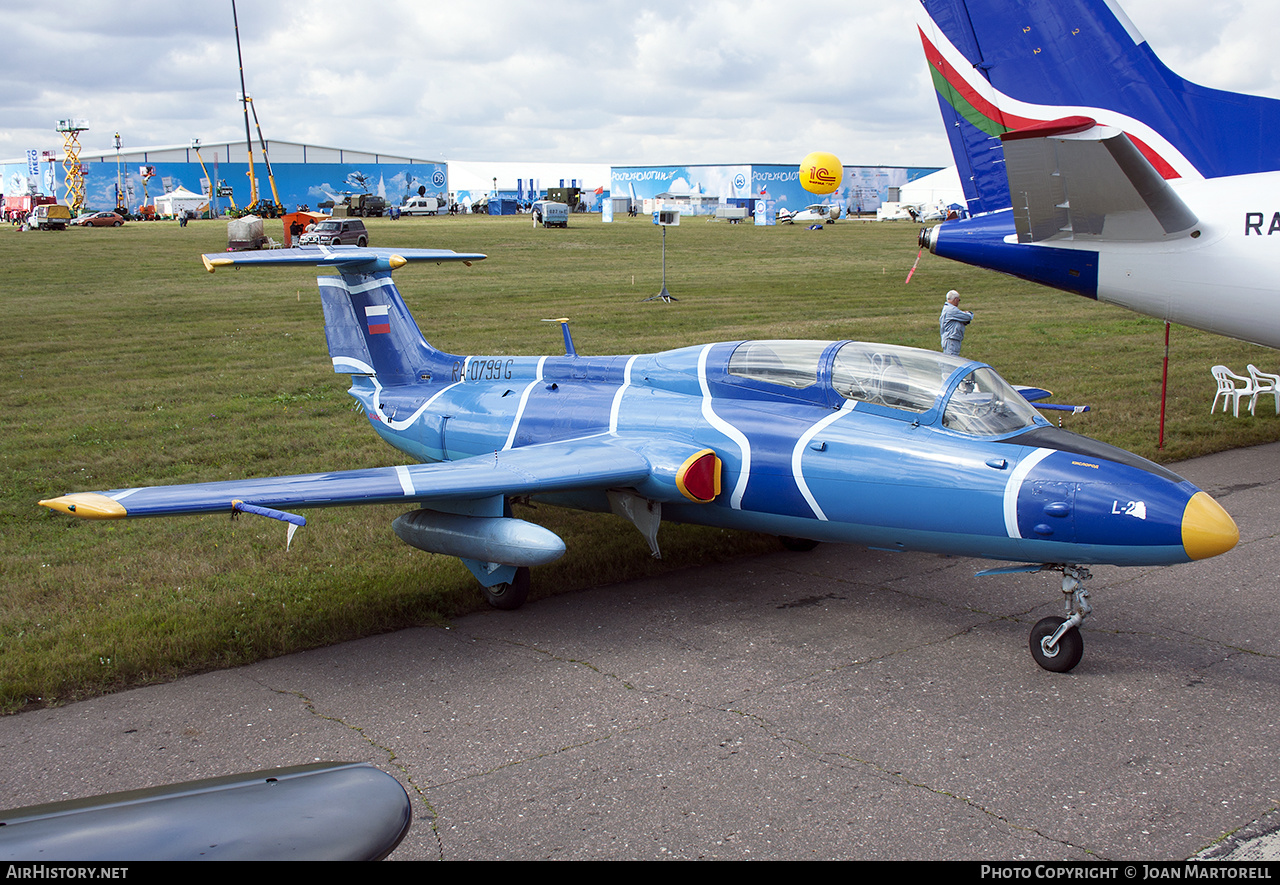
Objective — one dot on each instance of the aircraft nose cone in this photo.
(1207, 529)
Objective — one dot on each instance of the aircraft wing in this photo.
(1032, 394)
(348, 259)
(1072, 179)
(594, 462)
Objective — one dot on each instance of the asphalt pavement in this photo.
(836, 704)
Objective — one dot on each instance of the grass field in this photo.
(130, 365)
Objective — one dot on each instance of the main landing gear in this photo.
(509, 597)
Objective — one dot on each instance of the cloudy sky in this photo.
(592, 81)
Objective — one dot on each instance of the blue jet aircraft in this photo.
(874, 444)
(1091, 167)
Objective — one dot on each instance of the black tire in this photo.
(509, 597)
(116, 223)
(1069, 649)
(798, 545)
(362, 242)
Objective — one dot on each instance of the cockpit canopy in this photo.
(903, 379)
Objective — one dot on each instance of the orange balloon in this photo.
(821, 173)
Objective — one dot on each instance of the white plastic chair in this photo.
(1264, 382)
(1227, 390)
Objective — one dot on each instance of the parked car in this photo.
(98, 219)
(336, 232)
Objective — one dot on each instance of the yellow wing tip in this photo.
(212, 264)
(87, 505)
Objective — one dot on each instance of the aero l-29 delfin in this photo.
(1091, 167)
(873, 444)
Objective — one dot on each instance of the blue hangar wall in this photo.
(698, 190)
(304, 174)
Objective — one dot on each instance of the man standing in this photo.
(952, 322)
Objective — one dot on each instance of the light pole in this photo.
(120, 201)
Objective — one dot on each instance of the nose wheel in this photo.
(1056, 644)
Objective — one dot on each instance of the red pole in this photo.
(1164, 383)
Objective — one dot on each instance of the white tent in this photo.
(942, 187)
(174, 203)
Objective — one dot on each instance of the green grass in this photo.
(130, 365)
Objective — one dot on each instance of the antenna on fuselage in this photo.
(568, 339)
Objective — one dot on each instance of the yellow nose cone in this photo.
(1207, 529)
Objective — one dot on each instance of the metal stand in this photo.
(664, 295)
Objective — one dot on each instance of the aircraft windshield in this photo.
(985, 404)
(888, 375)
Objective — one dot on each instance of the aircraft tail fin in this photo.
(999, 67)
(371, 332)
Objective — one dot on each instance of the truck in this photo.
(365, 204)
(19, 205)
(50, 216)
(570, 196)
(550, 214)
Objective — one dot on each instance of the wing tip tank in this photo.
(87, 505)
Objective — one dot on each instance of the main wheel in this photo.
(798, 545)
(1065, 655)
(509, 597)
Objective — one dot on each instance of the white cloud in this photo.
(653, 81)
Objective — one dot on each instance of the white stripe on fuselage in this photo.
(617, 397)
(798, 452)
(1014, 486)
(735, 500)
(524, 399)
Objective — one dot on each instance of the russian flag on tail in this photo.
(376, 317)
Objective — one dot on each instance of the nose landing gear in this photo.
(1055, 643)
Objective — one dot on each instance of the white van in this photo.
(421, 206)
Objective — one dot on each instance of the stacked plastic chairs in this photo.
(1232, 388)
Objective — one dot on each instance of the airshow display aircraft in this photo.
(1091, 167)
(820, 213)
(874, 444)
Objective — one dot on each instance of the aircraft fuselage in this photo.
(806, 462)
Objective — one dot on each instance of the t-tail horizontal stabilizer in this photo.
(346, 259)
(1072, 179)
